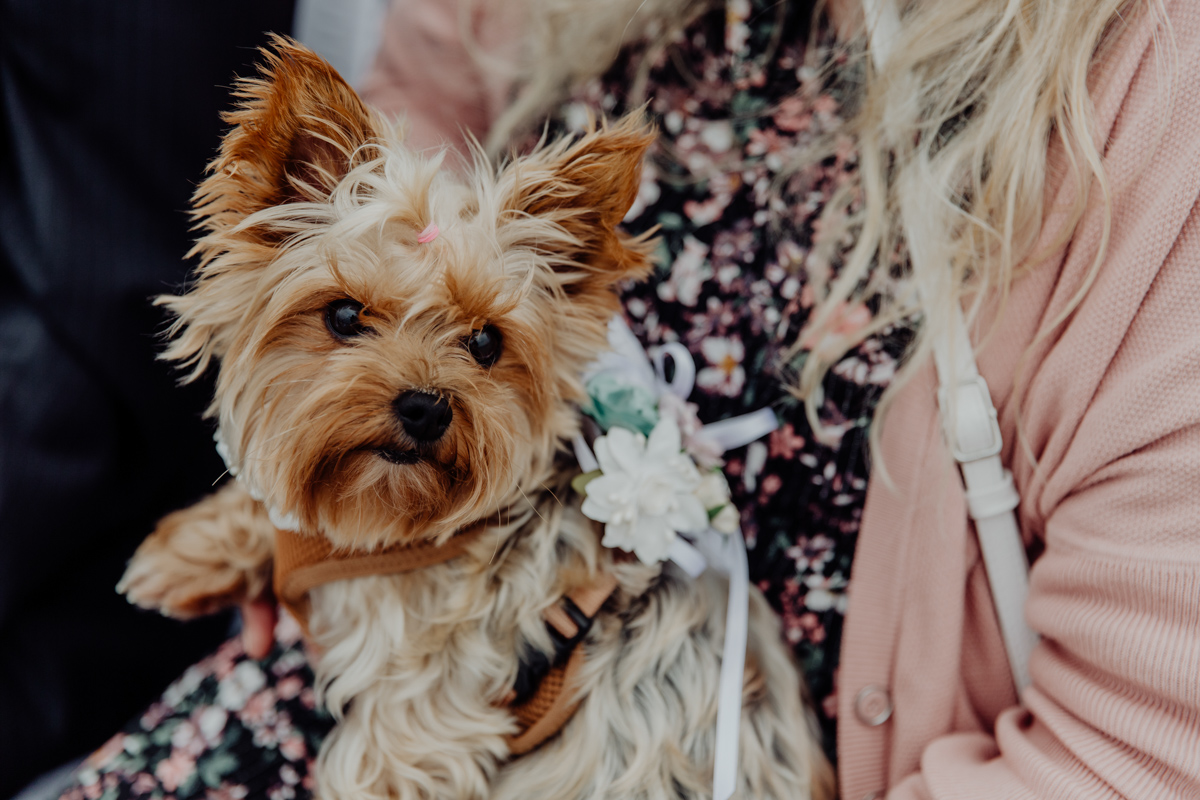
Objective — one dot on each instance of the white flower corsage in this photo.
(648, 491)
(656, 472)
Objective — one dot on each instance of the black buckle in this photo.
(535, 665)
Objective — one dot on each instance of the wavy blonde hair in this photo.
(953, 138)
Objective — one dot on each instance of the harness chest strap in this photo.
(541, 704)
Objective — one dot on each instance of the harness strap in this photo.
(545, 695)
(555, 696)
(305, 562)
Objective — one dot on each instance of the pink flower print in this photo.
(185, 739)
(829, 704)
(688, 274)
(144, 783)
(289, 687)
(795, 114)
(771, 484)
(784, 442)
(734, 247)
(154, 715)
(259, 709)
(107, 750)
(767, 142)
(227, 791)
(825, 107)
(173, 771)
(721, 189)
(707, 212)
(289, 662)
(225, 659)
(726, 373)
(845, 322)
(281, 792)
(293, 748)
(814, 631)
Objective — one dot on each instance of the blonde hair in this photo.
(952, 135)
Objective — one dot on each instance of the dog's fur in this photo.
(313, 199)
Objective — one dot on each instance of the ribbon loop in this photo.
(684, 379)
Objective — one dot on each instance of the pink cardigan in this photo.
(1111, 415)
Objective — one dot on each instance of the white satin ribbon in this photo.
(711, 549)
(727, 554)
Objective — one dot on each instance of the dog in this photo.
(400, 352)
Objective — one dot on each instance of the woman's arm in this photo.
(1112, 410)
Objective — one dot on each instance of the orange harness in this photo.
(543, 700)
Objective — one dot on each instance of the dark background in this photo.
(108, 114)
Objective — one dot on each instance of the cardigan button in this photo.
(873, 705)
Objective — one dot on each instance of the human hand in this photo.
(258, 625)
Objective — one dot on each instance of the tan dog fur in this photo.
(313, 199)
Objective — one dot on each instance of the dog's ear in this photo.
(297, 130)
(586, 187)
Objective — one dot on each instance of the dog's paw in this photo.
(202, 559)
(161, 580)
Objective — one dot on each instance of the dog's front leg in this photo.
(213, 554)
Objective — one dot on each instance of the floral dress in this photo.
(734, 97)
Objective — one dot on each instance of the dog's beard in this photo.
(339, 463)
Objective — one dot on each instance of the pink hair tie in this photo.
(429, 234)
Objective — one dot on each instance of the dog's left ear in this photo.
(297, 130)
(587, 187)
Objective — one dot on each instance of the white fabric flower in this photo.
(713, 490)
(646, 492)
(727, 520)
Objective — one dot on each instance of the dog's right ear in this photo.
(297, 130)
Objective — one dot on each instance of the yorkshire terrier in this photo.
(400, 351)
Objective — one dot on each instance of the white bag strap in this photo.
(973, 434)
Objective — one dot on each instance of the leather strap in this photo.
(555, 698)
(304, 562)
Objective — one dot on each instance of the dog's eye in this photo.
(344, 318)
(484, 345)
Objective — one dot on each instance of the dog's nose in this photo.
(424, 416)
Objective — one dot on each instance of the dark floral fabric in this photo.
(735, 97)
(230, 728)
